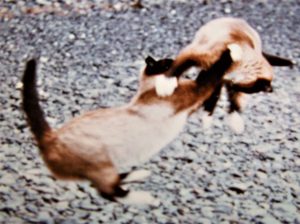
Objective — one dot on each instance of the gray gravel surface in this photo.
(90, 57)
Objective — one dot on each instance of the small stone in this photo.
(239, 188)
(7, 179)
(44, 189)
(256, 211)
(45, 217)
(186, 194)
(261, 175)
(43, 95)
(286, 208)
(19, 85)
(43, 2)
(173, 12)
(87, 205)
(43, 59)
(207, 212)
(227, 10)
(32, 208)
(82, 36)
(62, 206)
(72, 36)
(118, 6)
(204, 221)
(223, 209)
(267, 218)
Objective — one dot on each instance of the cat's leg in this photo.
(209, 106)
(236, 103)
(134, 176)
(108, 183)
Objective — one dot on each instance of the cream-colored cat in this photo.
(97, 145)
(253, 73)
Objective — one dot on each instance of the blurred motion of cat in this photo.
(252, 74)
(99, 144)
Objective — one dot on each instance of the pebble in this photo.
(32, 208)
(43, 59)
(227, 10)
(19, 85)
(270, 219)
(7, 179)
(207, 212)
(45, 217)
(72, 36)
(87, 205)
(239, 188)
(62, 206)
(43, 2)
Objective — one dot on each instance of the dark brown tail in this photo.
(34, 113)
(278, 61)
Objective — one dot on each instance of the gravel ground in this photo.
(90, 57)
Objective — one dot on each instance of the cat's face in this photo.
(154, 67)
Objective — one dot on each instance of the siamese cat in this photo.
(97, 145)
(252, 74)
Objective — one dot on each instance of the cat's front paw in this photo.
(236, 52)
(236, 123)
(139, 198)
(165, 86)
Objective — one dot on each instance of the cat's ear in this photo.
(150, 61)
(277, 61)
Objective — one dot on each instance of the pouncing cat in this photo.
(252, 74)
(98, 144)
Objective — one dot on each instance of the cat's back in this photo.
(228, 30)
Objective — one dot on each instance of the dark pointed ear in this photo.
(277, 61)
(150, 61)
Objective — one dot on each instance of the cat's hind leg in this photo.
(209, 107)
(108, 183)
(236, 103)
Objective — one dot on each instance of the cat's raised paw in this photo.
(236, 123)
(139, 198)
(165, 86)
(236, 52)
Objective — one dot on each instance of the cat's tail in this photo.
(278, 61)
(31, 106)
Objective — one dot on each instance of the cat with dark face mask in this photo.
(99, 144)
(252, 74)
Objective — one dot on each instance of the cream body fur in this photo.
(129, 135)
